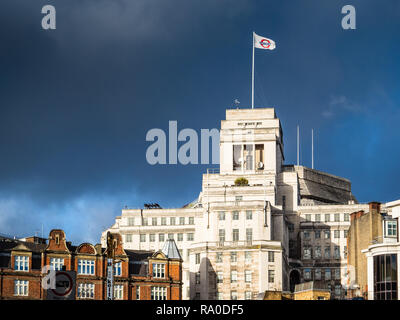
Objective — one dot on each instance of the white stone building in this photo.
(286, 225)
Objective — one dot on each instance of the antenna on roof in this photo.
(312, 148)
(298, 145)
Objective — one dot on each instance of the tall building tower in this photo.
(241, 244)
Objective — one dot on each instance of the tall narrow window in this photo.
(259, 156)
(248, 156)
(237, 158)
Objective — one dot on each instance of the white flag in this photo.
(263, 43)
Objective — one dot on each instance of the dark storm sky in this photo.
(76, 102)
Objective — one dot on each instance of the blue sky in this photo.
(76, 102)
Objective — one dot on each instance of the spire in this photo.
(170, 250)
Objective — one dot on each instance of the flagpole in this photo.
(252, 78)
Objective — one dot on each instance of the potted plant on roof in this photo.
(241, 182)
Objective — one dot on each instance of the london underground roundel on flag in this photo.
(265, 43)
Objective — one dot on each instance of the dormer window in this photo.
(158, 270)
(391, 228)
(21, 263)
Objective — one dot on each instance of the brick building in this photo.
(138, 274)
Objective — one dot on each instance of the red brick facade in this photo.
(133, 269)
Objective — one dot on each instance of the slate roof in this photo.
(170, 250)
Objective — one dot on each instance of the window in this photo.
(327, 274)
(182, 220)
(306, 234)
(221, 215)
(56, 263)
(163, 221)
(235, 215)
(158, 270)
(247, 295)
(337, 217)
(237, 158)
(191, 220)
(161, 237)
(197, 256)
(143, 238)
(318, 274)
(283, 203)
(86, 267)
(336, 234)
(117, 269)
(21, 263)
(234, 295)
(153, 221)
(221, 235)
(145, 222)
(128, 238)
(131, 221)
(327, 252)
(337, 274)
(249, 235)
(233, 257)
(86, 291)
(238, 198)
(152, 237)
(327, 234)
(190, 236)
(338, 290)
(21, 287)
(137, 293)
(235, 235)
(158, 293)
(180, 236)
(385, 277)
(317, 234)
(271, 276)
(233, 276)
(308, 217)
(290, 227)
(170, 236)
(346, 217)
(249, 215)
(197, 296)
(118, 292)
(172, 221)
(247, 276)
(307, 253)
(248, 154)
(391, 228)
(247, 257)
(307, 274)
(317, 252)
(327, 218)
(219, 257)
(345, 232)
(198, 278)
(336, 252)
(317, 217)
(271, 256)
(220, 296)
(220, 277)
